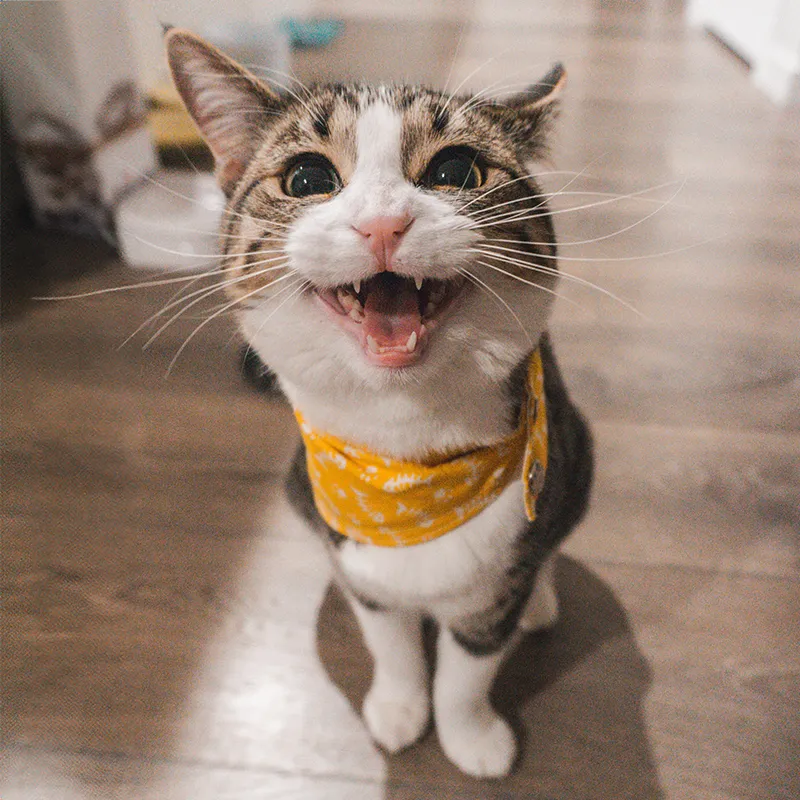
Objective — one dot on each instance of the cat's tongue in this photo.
(391, 314)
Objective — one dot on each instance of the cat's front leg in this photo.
(472, 734)
(397, 706)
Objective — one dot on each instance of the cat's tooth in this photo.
(347, 301)
(418, 282)
(356, 313)
(373, 345)
(357, 286)
(411, 344)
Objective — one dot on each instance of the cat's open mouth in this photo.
(391, 316)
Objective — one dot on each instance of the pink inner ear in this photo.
(220, 111)
(219, 95)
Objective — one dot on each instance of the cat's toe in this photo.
(484, 746)
(396, 719)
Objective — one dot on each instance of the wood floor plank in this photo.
(725, 502)
(747, 383)
(725, 699)
(197, 644)
(59, 776)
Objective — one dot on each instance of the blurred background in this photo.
(169, 629)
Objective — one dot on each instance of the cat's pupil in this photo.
(455, 169)
(311, 176)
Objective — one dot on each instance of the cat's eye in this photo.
(455, 167)
(311, 175)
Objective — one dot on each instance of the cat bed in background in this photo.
(170, 221)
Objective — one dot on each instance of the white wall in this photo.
(765, 32)
(779, 65)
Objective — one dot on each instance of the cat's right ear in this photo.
(225, 101)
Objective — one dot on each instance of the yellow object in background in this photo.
(169, 122)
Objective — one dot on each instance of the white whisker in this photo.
(580, 193)
(477, 69)
(256, 68)
(456, 52)
(523, 215)
(127, 287)
(557, 273)
(199, 295)
(281, 87)
(490, 94)
(531, 283)
(530, 176)
(170, 251)
(564, 187)
(662, 205)
(511, 311)
(225, 308)
(616, 259)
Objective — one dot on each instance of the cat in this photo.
(392, 261)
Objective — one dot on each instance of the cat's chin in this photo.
(391, 317)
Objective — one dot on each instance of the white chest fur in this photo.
(453, 575)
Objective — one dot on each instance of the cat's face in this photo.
(377, 235)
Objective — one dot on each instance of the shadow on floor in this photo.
(574, 695)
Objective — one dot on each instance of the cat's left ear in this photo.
(536, 107)
(540, 95)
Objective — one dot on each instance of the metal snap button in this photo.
(536, 475)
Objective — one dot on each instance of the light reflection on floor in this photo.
(262, 698)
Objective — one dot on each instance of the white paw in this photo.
(483, 746)
(395, 718)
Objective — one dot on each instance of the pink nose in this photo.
(383, 235)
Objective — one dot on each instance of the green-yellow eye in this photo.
(454, 168)
(311, 175)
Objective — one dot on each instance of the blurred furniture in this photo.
(74, 110)
(15, 208)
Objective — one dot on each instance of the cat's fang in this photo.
(373, 345)
(411, 344)
(418, 283)
(357, 286)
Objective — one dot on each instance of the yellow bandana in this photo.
(380, 501)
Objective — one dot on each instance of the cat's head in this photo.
(377, 235)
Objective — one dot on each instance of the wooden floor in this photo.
(169, 633)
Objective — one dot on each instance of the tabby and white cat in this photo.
(393, 262)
